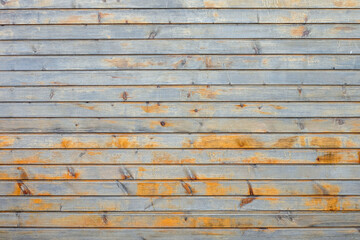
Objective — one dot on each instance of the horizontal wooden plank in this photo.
(169, 77)
(308, 62)
(166, 172)
(180, 93)
(178, 220)
(222, 141)
(180, 204)
(179, 125)
(295, 46)
(180, 188)
(176, 234)
(18, 4)
(184, 109)
(191, 31)
(164, 16)
(129, 156)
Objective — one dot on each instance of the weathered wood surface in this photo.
(86, 47)
(190, 31)
(184, 188)
(191, 141)
(176, 156)
(180, 93)
(19, 4)
(133, 119)
(182, 204)
(176, 172)
(183, 109)
(169, 77)
(179, 220)
(175, 234)
(178, 16)
(233, 62)
(180, 125)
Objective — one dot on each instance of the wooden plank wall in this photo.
(180, 119)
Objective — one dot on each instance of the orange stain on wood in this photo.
(85, 106)
(130, 63)
(325, 142)
(218, 141)
(167, 158)
(6, 141)
(265, 190)
(71, 143)
(71, 20)
(205, 92)
(154, 188)
(124, 142)
(330, 157)
(345, 3)
(298, 31)
(215, 188)
(31, 160)
(327, 204)
(288, 142)
(155, 108)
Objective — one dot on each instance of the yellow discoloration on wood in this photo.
(217, 141)
(326, 142)
(6, 141)
(345, 3)
(155, 108)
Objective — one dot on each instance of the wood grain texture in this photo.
(176, 156)
(188, 188)
(187, 31)
(171, 16)
(173, 234)
(176, 172)
(183, 109)
(191, 141)
(180, 93)
(169, 77)
(86, 47)
(332, 218)
(307, 62)
(179, 125)
(189, 220)
(18, 4)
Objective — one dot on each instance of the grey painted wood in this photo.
(296, 46)
(165, 220)
(184, 109)
(164, 16)
(190, 31)
(307, 62)
(182, 204)
(181, 93)
(187, 188)
(176, 156)
(179, 125)
(153, 141)
(169, 77)
(176, 172)
(208, 234)
(18, 4)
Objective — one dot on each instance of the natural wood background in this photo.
(180, 119)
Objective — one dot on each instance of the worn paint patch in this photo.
(345, 3)
(325, 142)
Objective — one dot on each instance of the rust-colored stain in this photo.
(205, 92)
(327, 204)
(300, 31)
(288, 142)
(71, 20)
(155, 108)
(266, 190)
(122, 63)
(216, 188)
(6, 141)
(218, 141)
(329, 158)
(246, 201)
(345, 3)
(155, 188)
(326, 142)
(167, 158)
